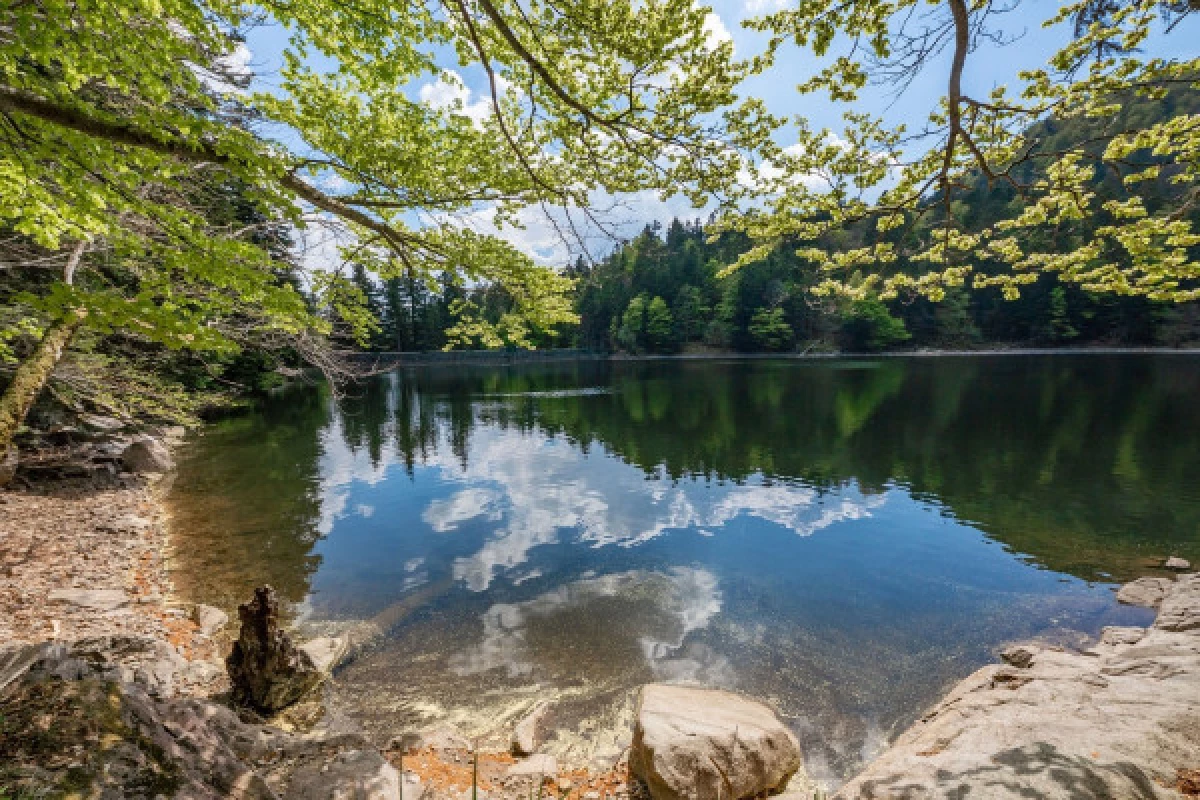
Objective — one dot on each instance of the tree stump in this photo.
(267, 670)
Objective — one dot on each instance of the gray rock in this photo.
(1180, 609)
(147, 454)
(707, 744)
(1115, 635)
(1147, 592)
(101, 423)
(208, 619)
(1115, 722)
(1177, 563)
(266, 670)
(1020, 656)
(353, 775)
(534, 766)
(131, 737)
(441, 736)
(326, 652)
(151, 663)
(530, 732)
(125, 522)
(91, 599)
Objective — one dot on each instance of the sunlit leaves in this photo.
(905, 190)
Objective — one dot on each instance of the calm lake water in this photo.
(842, 538)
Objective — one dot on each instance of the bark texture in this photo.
(28, 380)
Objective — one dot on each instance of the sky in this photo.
(990, 66)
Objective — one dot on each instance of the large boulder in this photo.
(267, 671)
(707, 744)
(147, 454)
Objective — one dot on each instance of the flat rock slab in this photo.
(1122, 720)
(1146, 592)
(707, 744)
(92, 599)
(353, 775)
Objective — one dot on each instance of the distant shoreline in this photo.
(1016, 351)
(387, 361)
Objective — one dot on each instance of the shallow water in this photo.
(843, 538)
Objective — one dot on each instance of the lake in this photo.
(842, 538)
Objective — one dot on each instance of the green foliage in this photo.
(1109, 211)
(868, 326)
(659, 327)
(770, 330)
(127, 137)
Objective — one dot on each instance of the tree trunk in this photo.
(27, 383)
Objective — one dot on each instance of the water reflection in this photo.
(844, 538)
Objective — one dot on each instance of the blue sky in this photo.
(992, 65)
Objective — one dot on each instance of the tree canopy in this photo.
(898, 185)
(117, 120)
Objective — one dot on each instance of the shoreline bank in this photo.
(93, 560)
(388, 361)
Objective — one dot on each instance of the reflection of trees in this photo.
(245, 503)
(1075, 461)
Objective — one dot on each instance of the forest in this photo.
(669, 289)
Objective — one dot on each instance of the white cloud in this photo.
(715, 32)
(666, 608)
(449, 93)
(234, 65)
(446, 515)
(765, 6)
(541, 490)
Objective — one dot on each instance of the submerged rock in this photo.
(267, 671)
(707, 744)
(147, 454)
(442, 737)
(326, 652)
(1117, 721)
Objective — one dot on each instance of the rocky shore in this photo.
(1118, 720)
(109, 687)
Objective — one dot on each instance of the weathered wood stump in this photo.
(267, 670)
